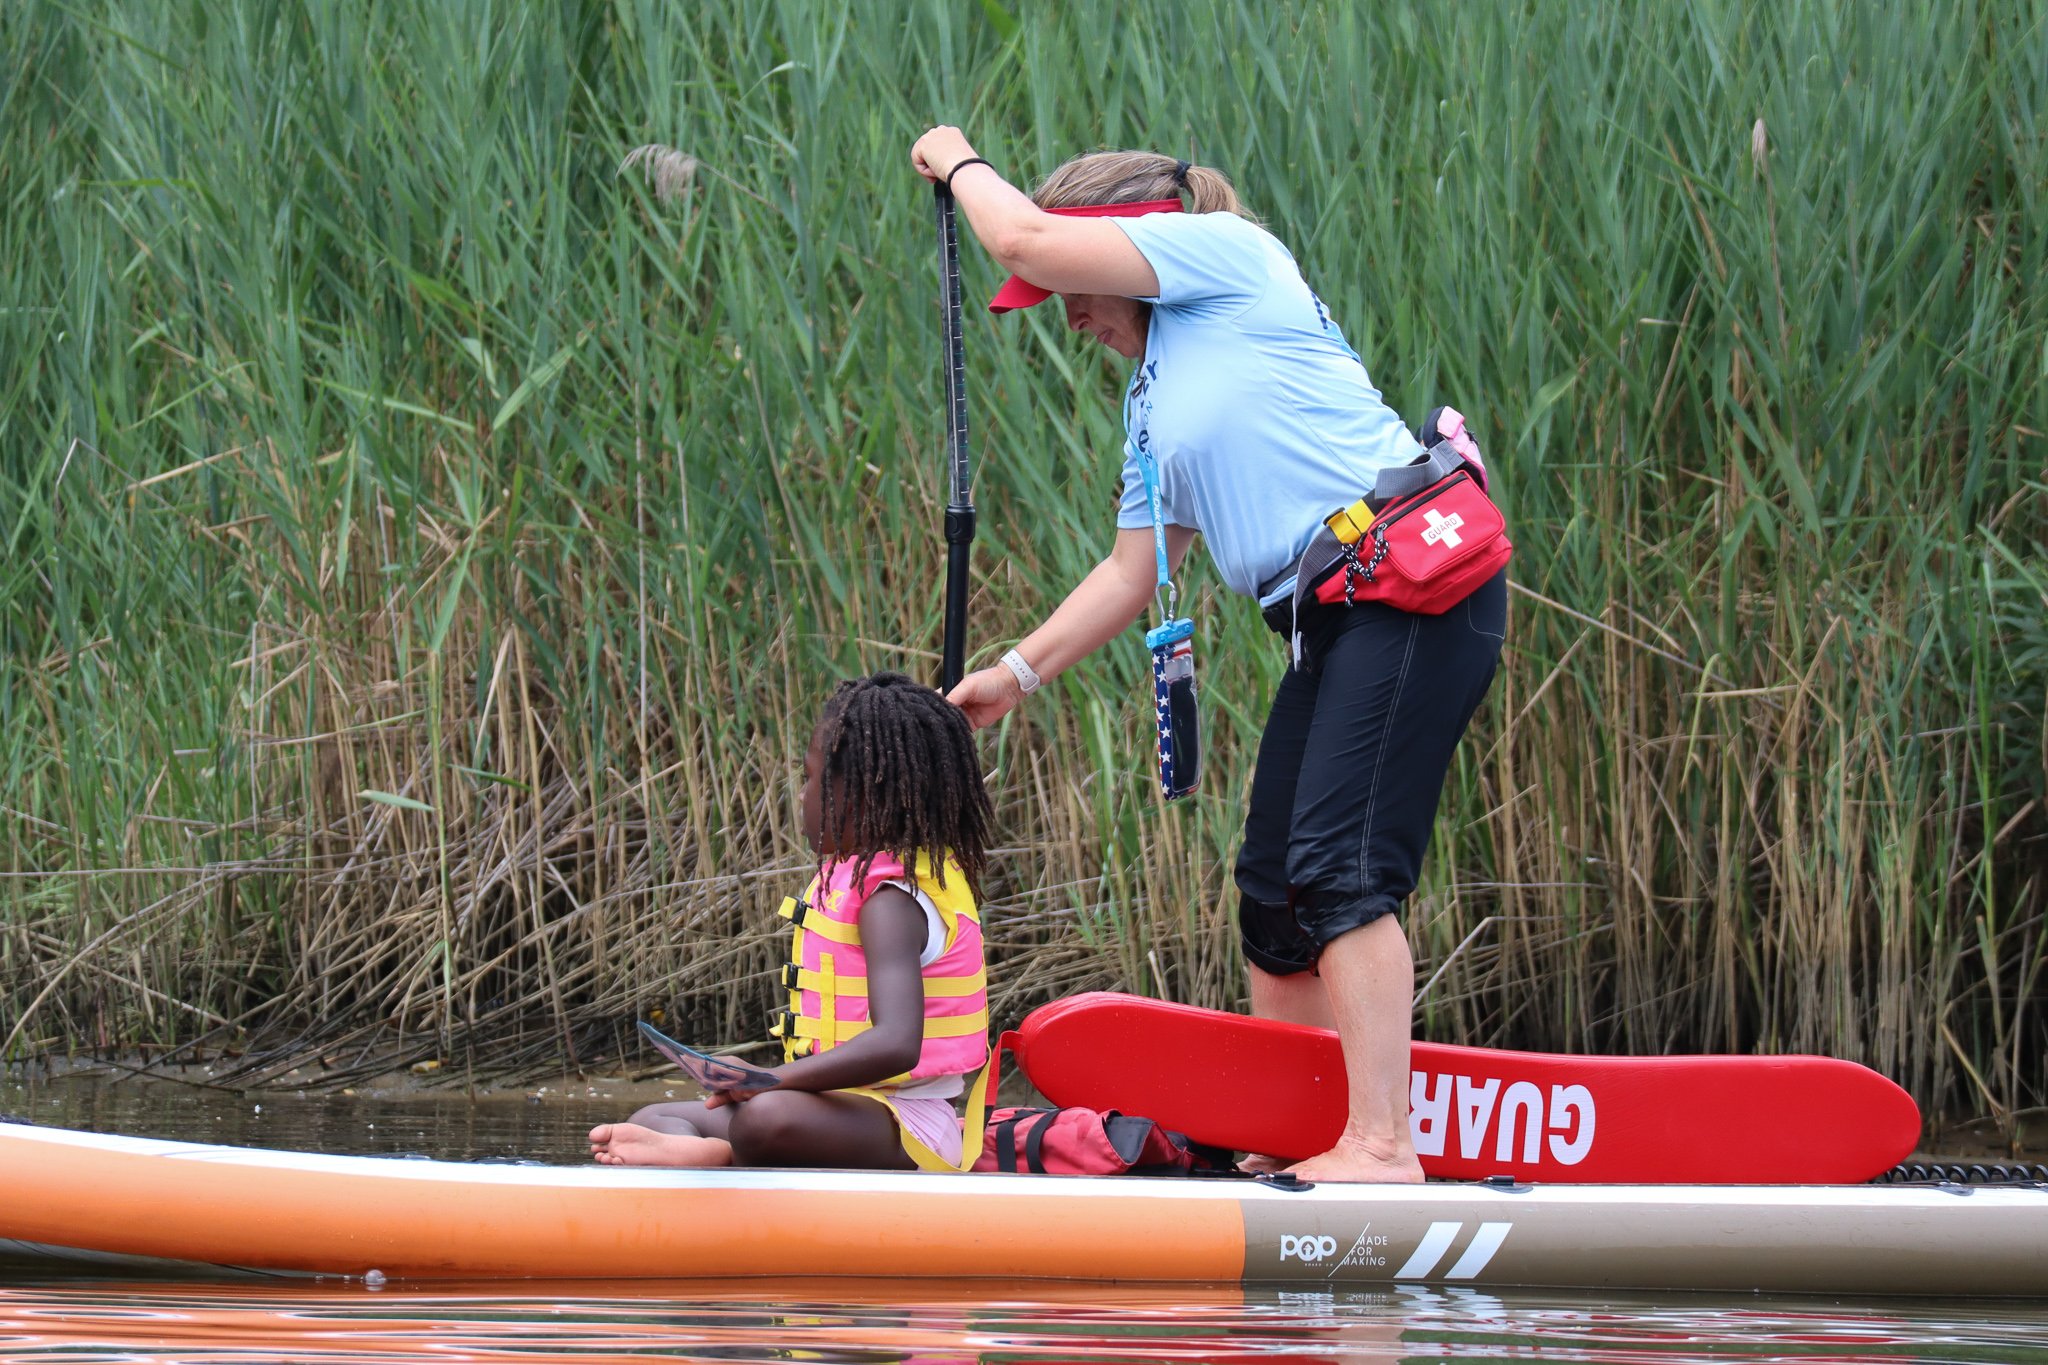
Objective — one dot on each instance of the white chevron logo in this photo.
(1437, 1241)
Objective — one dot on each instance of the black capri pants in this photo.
(1352, 765)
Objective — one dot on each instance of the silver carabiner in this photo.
(1172, 600)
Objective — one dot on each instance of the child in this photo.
(887, 1018)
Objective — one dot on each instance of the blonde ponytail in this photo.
(1212, 193)
(1134, 177)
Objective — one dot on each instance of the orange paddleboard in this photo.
(111, 1205)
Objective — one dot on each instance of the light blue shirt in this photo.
(1258, 412)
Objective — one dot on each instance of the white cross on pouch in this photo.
(1442, 528)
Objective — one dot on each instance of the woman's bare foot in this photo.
(629, 1144)
(1362, 1162)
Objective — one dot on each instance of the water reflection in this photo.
(960, 1322)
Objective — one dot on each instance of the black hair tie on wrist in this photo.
(1180, 174)
(970, 161)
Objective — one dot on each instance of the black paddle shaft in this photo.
(960, 488)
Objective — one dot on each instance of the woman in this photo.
(1261, 422)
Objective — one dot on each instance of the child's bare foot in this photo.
(1256, 1164)
(629, 1144)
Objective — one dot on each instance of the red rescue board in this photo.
(1256, 1085)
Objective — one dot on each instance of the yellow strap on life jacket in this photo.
(839, 931)
(935, 987)
(829, 929)
(828, 1002)
(958, 1026)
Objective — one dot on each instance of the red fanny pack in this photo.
(1429, 547)
(1085, 1142)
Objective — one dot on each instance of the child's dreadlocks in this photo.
(901, 775)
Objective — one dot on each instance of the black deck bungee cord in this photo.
(1973, 1173)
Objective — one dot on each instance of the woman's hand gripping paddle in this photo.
(713, 1075)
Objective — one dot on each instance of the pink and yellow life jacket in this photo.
(827, 973)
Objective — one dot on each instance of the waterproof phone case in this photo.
(1173, 689)
(710, 1073)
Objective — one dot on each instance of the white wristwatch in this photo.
(1027, 680)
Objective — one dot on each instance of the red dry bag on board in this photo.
(1086, 1142)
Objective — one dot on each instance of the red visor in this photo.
(1016, 293)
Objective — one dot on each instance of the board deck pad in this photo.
(1258, 1085)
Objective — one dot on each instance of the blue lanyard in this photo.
(1148, 467)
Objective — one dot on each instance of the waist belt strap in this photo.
(1439, 462)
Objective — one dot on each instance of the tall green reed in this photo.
(427, 550)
